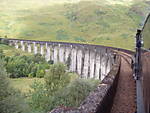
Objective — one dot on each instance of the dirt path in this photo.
(124, 101)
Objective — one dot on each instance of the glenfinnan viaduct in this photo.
(89, 61)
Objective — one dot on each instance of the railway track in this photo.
(125, 98)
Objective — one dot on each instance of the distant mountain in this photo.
(105, 22)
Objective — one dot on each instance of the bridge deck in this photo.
(124, 101)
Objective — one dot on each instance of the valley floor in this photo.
(23, 84)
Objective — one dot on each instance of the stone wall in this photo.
(101, 99)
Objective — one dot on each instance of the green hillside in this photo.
(146, 34)
(104, 22)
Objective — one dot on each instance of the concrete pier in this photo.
(35, 48)
(22, 45)
(46, 45)
(42, 49)
(67, 52)
(108, 65)
(16, 45)
(98, 65)
(48, 53)
(29, 47)
(79, 60)
(55, 53)
(73, 59)
(86, 64)
(52, 52)
(61, 54)
(103, 66)
(92, 62)
(10, 43)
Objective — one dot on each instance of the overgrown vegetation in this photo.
(25, 66)
(10, 99)
(60, 89)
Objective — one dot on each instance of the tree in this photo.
(56, 77)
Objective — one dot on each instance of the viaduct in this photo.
(89, 61)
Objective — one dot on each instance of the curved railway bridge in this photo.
(124, 74)
(112, 66)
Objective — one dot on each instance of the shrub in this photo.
(2, 54)
(40, 73)
(24, 66)
(37, 58)
(17, 67)
(10, 100)
(39, 98)
(73, 94)
(31, 75)
(56, 77)
(50, 62)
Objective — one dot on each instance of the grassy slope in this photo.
(146, 35)
(105, 22)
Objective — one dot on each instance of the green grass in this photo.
(23, 84)
(11, 51)
(104, 22)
